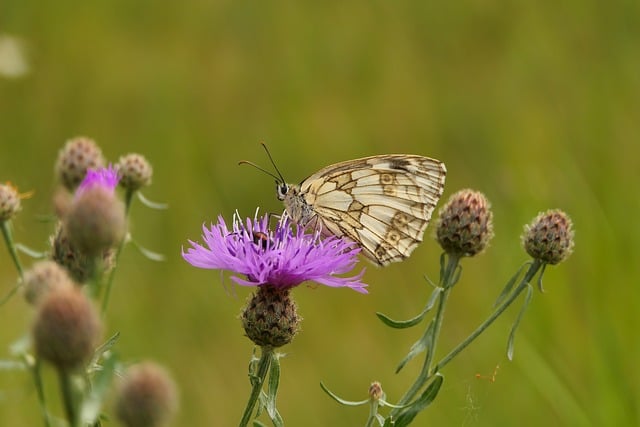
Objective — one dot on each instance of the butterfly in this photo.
(383, 203)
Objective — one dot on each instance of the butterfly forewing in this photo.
(384, 203)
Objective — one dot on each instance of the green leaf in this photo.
(540, 287)
(512, 334)
(341, 400)
(509, 286)
(424, 343)
(425, 399)
(153, 256)
(272, 390)
(31, 252)
(153, 205)
(100, 387)
(403, 324)
(103, 350)
(12, 365)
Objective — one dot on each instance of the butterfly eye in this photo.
(282, 190)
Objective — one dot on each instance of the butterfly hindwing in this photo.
(384, 203)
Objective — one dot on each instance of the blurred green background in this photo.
(537, 104)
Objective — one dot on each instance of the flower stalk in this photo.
(257, 378)
(8, 240)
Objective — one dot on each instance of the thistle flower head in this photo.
(9, 201)
(96, 219)
(465, 223)
(42, 278)
(271, 317)
(146, 397)
(549, 237)
(106, 178)
(67, 328)
(282, 258)
(75, 158)
(135, 171)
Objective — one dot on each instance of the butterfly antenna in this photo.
(246, 162)
(272, 162)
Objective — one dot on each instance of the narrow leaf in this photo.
(100, 388)
(31, 252)
(341, 400)
(425, 399)
(540, 287)
(12, 365)
(509, 286)
(419, 346)
(403, 324)
(153, 256)
(272, 391)
(512, 334)
(153, 205)
(104, 349)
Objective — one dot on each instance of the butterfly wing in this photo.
(382, 202)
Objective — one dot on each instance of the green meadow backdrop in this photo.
(536, 104)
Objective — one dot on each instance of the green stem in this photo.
(66, 388)
(447, 282)
(128, 197)
(8, 239)
(529, 275)
(9, 294)
(37, 379)
(257, 381)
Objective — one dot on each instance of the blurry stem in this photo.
(37, 379)
(67, 397)
(9, 294)
(447, 282)
(529, 275)
(257, 380)
(128, 197)
(8, 239)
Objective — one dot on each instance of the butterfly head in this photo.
(282, 189)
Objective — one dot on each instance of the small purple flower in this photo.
(282, 258)
(104, 177)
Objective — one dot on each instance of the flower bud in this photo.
(78, 264)
(146, 397)
(96, 221)
(375, 391)
(465, 223)
(270, 318)
(67, 329)
(9, 202)
(549, 238)
(75, 158)
(44, 277)
(135, 171)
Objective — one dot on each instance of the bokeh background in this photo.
(537, 104)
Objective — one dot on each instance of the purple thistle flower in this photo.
(281, 258)
(104, 177)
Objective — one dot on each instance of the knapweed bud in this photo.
(375, 391)
(42, 278)
(146, 397)
(549, 238)
(75, 158)
(96, 221)
(135, 171)
(270, 318)
(67, 329)
(465, 223)
(78, 264)
(9, 202)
